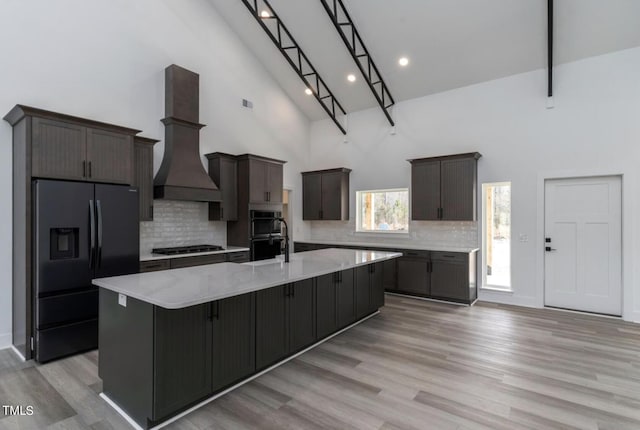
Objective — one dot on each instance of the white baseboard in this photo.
(633, 317)
(5, 340)
(507, 298)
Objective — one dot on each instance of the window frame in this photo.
(382, 232)
(483, 242)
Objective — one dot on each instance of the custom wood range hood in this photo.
(182, 175)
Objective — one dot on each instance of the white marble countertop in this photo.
(395, 245)
(153, 257)
(180, 288)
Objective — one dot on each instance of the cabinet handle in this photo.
(293, 291)
(90, 169)
(221, 213)
(217, 314)
(84, 169)
(151, 211)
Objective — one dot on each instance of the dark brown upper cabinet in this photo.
(265, 178)
(444, 188)
(143, 174)
(325, 195)
(223, 169)
(67, 147)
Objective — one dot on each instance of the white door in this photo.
(583, 244)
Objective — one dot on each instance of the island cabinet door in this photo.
(363, 291)
(326, 305)
(182, 357)
(346, 298)
(390, 275)
(377, 286)
(302, 316)
(271, 325)
(233, 350)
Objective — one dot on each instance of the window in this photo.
(383, 211)
(496, 235)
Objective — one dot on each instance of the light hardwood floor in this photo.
(417, 365)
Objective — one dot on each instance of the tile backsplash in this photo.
(177, 223)
(431, 233)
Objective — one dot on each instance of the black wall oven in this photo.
(264, 223)
(266, 237)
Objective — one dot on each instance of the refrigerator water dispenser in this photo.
(64, 243)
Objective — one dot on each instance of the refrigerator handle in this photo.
(92, 233)
(99, 254)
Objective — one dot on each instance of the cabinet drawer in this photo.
(197, 261)
(454, 257)
(238, 257)
(416, 253)
(152, 266)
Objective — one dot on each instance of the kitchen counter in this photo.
(180, 288)
(396, 245)
(183, 337)
(153, 257)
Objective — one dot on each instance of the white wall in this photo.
(594, 129)
(105, 61)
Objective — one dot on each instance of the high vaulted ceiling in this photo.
(450, 43)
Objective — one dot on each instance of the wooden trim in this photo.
(259, 157)
(474, 155)
(20, 111)
(145, 140)
(337, 169)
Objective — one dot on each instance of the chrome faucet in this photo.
(286, 237)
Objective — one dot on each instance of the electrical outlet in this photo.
(247, 103)
(122, 300)
(523, 238)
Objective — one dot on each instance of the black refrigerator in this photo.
(82, 231)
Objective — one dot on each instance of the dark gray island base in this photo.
(156, 363)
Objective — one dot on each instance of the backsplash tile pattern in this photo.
(177, 223)
(431, 233)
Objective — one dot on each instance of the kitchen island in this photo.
(175, 339)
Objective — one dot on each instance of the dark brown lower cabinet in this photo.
(346, 297)
(234, 337)
(182, 357)
(377, 285)
(413, 275)
(272, 325)
(369, 289)
(285, 321)
(157, 362)
(450, 276)
(363, 290)
(302, 315)
(390, 274)
(326, 305)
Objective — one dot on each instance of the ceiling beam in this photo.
(298, 60)
(356, 47)
(550, 48)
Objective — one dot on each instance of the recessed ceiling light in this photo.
(403, 61)
(351, 78)
(308, 91)
(265, 14)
